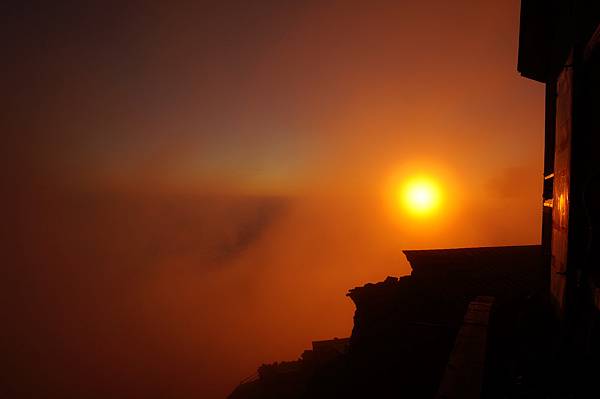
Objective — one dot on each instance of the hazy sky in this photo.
(266, 97)
(195, 185)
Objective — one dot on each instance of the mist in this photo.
(135, 294)
(190, 189)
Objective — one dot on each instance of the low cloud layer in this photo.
(123, 295)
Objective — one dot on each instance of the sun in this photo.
(420, 196)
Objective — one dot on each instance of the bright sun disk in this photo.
(421, 196)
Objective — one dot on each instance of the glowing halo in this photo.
(420, 196)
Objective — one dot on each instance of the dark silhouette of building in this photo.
(409, 332)
(498, 322)
(560, 46)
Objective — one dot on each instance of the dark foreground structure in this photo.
(498, 322)
(408, 331)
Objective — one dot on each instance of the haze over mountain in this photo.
(190, 188)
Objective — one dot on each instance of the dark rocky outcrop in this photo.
(405, 328)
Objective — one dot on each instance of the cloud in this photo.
(514, 183)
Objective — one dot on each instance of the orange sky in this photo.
(148, 140)
(267, 98)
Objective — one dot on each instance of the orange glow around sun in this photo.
(420, 196)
